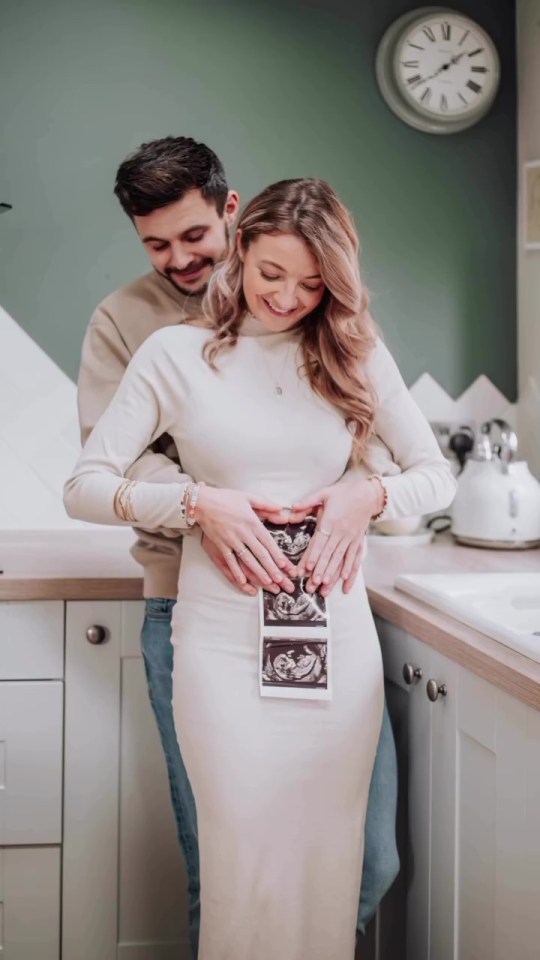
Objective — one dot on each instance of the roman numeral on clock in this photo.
(413, 64)
(426, 96)
(474, 53)
(446, 30)
(429, 33)
(444, 103)
(475, 87)
(479, 69)
(414, 81)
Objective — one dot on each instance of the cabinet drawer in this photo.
(30, 903)
(30, 762)
(32, 640)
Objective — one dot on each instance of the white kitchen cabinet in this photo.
(31, 762)
(30, 903)
(124, 891)
(473, 867)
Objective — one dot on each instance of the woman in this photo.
(288, 391)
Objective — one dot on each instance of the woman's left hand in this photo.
(343, 515)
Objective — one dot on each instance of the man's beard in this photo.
(175, 276)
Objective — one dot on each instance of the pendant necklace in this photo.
(278, 389)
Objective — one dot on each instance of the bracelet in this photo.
(375, 476)
(194, 494)
(184, 503)
(122, 502)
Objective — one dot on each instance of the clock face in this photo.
(446, 66)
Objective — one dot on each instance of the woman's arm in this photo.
(138, 413)
(145, 406)
(418, 477)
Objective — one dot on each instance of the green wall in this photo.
(278, 88)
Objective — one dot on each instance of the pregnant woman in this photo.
(284, 391)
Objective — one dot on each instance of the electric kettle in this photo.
(497, 503)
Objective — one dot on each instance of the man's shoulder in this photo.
(138, 309)
(143, 292)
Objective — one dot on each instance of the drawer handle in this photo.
(435, 689)
(96, 634)
(411, 674)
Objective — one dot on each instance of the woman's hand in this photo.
(231, 520)
(343, 514)
(252, 585)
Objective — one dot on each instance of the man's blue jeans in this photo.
(381, 863)
(157, 653)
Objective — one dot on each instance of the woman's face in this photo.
(282, 281)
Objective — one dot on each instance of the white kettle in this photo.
(497, 503)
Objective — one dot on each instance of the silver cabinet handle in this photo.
(96, 634)
(411, 674)
(434, 690)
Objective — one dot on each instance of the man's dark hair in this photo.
(163, 171)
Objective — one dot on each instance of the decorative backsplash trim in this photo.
(481, 401)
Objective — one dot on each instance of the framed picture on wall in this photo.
(532, 205)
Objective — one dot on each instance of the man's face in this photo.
(187, 238)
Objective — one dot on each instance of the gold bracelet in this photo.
(128, 504)
(118, 501)
(375, 476)
(123, 506)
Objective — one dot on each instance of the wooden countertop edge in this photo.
(76, 588)
(499, 665)
(493, 661)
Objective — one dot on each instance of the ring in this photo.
(230, 553)
(245, 550)
(325, 533)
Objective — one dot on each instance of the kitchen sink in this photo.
(504, 606)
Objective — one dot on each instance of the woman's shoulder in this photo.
(173, 343)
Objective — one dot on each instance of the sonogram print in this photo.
(294, 663)
(298, 609)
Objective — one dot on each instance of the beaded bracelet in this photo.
(375, 476)
(184, 503)
(194, 494)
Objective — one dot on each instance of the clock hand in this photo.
(446, 66)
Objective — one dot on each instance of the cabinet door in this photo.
(498, 824)
(30, 903)
(30, 762)
(123, 881)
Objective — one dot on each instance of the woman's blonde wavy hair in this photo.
(338, 335)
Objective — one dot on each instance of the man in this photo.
(175, 192)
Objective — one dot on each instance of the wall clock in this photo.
(437, 69)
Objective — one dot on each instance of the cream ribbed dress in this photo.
(281, 786)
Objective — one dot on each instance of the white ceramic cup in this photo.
(400, 527)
